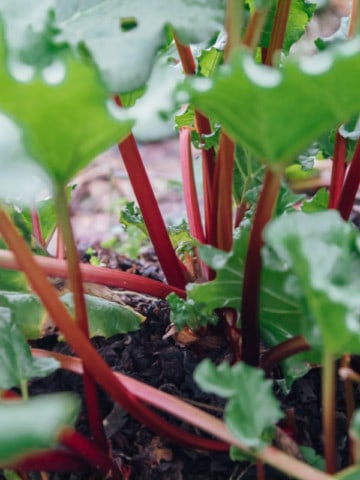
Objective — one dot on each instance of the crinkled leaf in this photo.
(34, 424)
(288, 108)
(131, 215)
(252, 409)
(107, 318)
(17, 363)
(188, 313)
(181, 239)
(323, 252)
(59, 118)
(318, 203)
(27, 311)
(300, 14)
(137, 29)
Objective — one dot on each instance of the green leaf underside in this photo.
(17, 363)
(35, 424)
(105, 35)
(288, 108)
(60, 116)
(323, 252)
(252, 409)
(107, 318)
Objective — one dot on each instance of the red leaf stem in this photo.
(252, 272)
(90, 273)
(150, 210)
(203, 127)
(190, 193)
(338, 170)
(51, 461)
(278, 30)
(222, 194)
(36, 227)
(351, 185)
(88, 450)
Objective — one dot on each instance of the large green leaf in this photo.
(59, 116)
(277, 113)
(107, 318)
(281, 316)
(17, 363)
(124, 36)
(35, 424)
(252, 409)
(323, 252)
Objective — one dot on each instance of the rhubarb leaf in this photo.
(323, 253)
(287, 108)
(252, 409)
(281, 316)
(107, 318)
(17, 363)
(34, 424)
(124, 37)
(27, 312)
(67, 100)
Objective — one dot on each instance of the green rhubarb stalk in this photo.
(81, 317)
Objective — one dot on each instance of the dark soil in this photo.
(163, 363)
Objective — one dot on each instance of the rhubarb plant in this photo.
(79, 77)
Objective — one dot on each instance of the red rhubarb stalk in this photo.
(338, 170)
(190, 193)
(351, 185)
(149, 207)
(91, 273)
